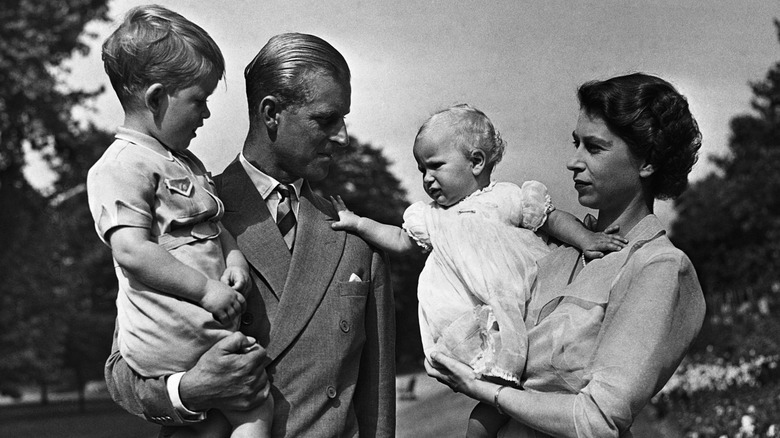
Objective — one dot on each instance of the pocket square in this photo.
(354, 277)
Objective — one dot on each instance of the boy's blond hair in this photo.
(156, 45)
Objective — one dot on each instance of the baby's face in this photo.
(447, 171)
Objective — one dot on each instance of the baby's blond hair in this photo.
(473, 130)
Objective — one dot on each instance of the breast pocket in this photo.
(575, 326)
(353, 297)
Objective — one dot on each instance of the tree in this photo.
(40, 248)
(729, 222)
(361, 175)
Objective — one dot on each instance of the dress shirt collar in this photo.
(265, 184)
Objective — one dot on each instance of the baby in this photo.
(181, 275)
(484, 240)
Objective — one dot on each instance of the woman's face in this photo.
(607, 175)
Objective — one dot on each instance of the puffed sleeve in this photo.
(119, 195)
(535, 205)
(415, 226)
(655, 311)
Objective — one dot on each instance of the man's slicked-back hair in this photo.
(283, 65)
(156, 45)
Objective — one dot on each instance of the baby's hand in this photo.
(597, 245)
(347, 220)
(224, 302)
(237, 278)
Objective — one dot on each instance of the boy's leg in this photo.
(214, 426)
(485, 422)
(252, 424)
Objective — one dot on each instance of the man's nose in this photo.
(341, 137)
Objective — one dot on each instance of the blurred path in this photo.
(437, 412)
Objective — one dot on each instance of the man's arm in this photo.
(230, 375)
(375, 392)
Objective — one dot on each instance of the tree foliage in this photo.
(48, 275)
(361, 175)
(729, 222)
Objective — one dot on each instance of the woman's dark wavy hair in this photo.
(654, 120)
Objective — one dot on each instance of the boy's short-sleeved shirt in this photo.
(139, 183)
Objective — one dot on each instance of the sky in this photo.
(519, 62)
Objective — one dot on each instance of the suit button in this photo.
(344, 326)
(331, 391)
(247, 318)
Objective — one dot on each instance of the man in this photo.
(321, 303)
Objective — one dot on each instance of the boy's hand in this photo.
(237, 278)
(597, 245)
(348, 220)
(224, 302)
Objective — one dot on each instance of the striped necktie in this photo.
(285, 218)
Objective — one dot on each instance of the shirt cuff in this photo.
(188, 416)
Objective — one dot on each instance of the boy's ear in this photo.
(478, 161)
(269, 111)
(155, 97)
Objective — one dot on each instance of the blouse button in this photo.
(247, 318)
(331, 391)
(344, 326)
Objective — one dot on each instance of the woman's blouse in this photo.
(614, 334)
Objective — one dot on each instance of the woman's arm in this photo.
(151, 264)
(654, 313)
(388, 238)
(546, 413)
(566, 228)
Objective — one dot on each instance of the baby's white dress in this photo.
(476, 281)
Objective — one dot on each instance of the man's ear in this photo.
(269, 112)
(646, 170)
(155, 98)
(478, 161)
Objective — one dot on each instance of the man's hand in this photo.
(224, 302)
(348, 221)
(231, 375)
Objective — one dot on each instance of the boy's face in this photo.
(185, 112)
(447, 172)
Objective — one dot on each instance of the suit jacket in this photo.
(330, 340)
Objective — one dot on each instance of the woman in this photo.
(605, 335)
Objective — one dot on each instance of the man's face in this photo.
(307, 134)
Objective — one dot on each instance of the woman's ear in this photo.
(646, 170)
(478, 161)
(156, 99)
(269, 112)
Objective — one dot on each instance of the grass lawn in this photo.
(103, 419)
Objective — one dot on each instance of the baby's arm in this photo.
(147, 261)
(565, 227)
(236, 273)
(386, 237)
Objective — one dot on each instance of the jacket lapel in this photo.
(315, 257)
(248, 219)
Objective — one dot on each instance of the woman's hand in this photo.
(458, 376)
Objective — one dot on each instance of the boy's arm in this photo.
(566, 228)
(389, 238)
(151, 264)
(236, 274)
